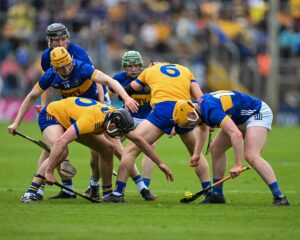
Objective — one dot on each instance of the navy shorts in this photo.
(162, 117)
(46, 120)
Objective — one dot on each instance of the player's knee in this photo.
(215, 151)
(132, 150)
(251, 157)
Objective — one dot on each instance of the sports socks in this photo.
(41, 189)
(120, 188)
(94, 181)
(275, 189)
(218, 190)
(33, 188)
(106, 190)
(139, 182)
(147, 182)
(69, 184)
(205, 185)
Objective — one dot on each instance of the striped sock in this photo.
(147, 182)
(274, 187)
(139, 182)
(107, 190)
(69, 184)
(41, 189)
(218, 190)
(205, 185)
(33, 188)
(120, 188)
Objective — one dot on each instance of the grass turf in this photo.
(248, 213)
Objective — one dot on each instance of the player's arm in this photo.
(28, 102)
(59, 152)
(148, 150)
(200, 141)
(236, 137)
(102, 78)
(45, 98)
(133, 87)
(100, 93)
(195, 90)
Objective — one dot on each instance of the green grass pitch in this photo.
(247, 215)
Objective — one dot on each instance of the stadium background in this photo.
(228, 44)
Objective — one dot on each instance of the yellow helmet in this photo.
(181, 113)
(60, 57)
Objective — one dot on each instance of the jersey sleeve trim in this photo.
(139, 82)
(39, 87)
(76, 129)
(225, 119)
(94, 75)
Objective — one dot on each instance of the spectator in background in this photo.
(10, 72)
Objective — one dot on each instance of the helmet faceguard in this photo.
(182, 112)
(132, 58)
(123, 123)
(57, 30)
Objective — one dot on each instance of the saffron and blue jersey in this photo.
(143, 97)
(86, 115)
(217, 107)
(168, 82)
(79, 83)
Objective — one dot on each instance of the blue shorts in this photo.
(162, 117)
(46, 120)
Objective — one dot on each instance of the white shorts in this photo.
(137, 121)
(107, 99)
(262, 119)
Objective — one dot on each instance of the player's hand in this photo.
(169, 175)
(38, 108)
(235, 171)
(50, 179)
(12, 127)
(131, 104)
(172, 133)
(194, 160)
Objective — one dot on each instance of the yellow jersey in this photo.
(85, 114)
(168, 82)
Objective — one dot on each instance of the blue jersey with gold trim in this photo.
(86, 115)
(218, 106)
(79, 83)
(75, 51)
(143, 97)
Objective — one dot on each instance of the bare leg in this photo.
(202, 170)
(255, 139)
(218, 150)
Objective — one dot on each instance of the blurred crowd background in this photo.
(224, 42)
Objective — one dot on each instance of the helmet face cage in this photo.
(132, 58)
(123, 123)
(181, 114)
(57, 30)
